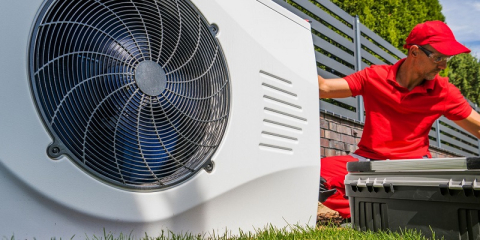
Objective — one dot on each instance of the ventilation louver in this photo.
(135, 92)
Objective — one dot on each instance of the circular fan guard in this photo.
(135, 92)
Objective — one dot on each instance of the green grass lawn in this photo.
(270, 233)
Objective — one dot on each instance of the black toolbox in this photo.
(440, 195)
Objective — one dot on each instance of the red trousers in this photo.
(333, 170)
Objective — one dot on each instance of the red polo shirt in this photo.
(398, 120)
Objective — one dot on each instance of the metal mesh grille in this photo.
(151, 128)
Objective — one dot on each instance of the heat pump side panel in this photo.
(274, 124)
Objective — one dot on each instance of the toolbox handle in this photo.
(359, 167)
(473, 163)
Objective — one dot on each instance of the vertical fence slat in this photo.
(358, 66)
(437, 129)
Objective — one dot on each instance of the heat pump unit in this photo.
(137, 116)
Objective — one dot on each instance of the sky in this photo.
(463, 17)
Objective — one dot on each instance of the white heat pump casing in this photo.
(266, 168)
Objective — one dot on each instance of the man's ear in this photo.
(413, 50)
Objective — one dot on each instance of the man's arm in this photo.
(471, 124)
(333, 88)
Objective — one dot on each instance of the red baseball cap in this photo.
(438, 35)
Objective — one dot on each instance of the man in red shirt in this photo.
(401, 104)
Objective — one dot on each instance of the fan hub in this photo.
(150, 78)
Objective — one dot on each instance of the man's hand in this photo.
(323, 192)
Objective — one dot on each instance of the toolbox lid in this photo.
(461, 163)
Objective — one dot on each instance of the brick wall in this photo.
(340, 136)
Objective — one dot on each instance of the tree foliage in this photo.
(392, 19)
(464, 72)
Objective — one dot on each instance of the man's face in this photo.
(432, 61)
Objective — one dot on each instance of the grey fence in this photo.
(343, 46)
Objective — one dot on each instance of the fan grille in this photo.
(135, 92)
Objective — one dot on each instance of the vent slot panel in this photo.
(275, 147)
(280, 137)
(271, 76)
(279, 89)
(282, 102)
(283, 114)
(283, 125)
(271, 110)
